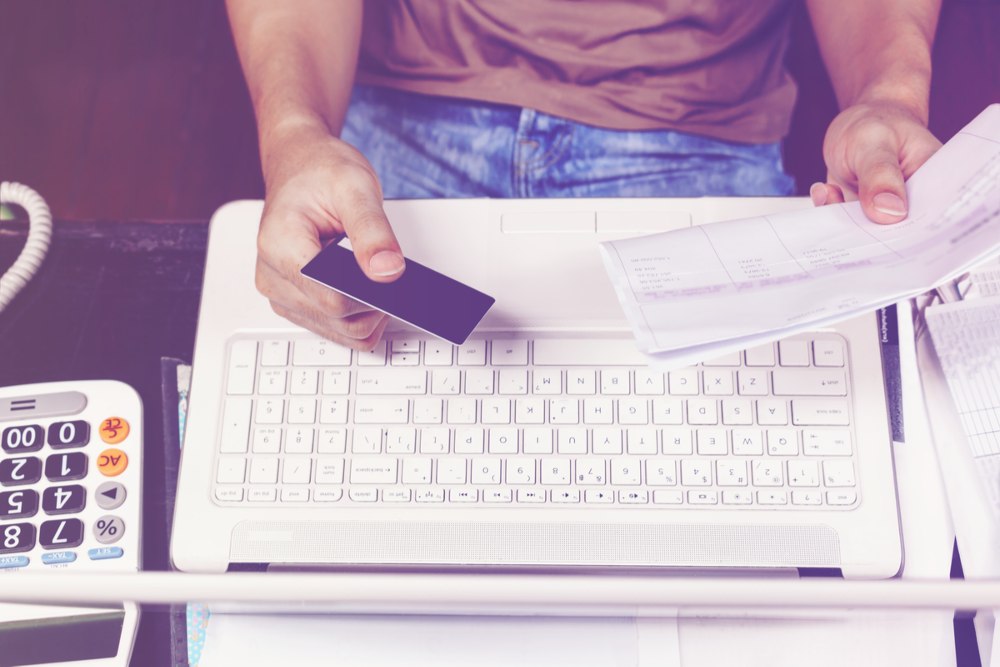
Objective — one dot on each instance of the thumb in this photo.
(375, 246)
(880, 185)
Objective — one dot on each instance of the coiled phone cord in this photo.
(37, 245)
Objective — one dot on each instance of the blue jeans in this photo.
(423, 146)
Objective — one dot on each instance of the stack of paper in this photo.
(696, 293)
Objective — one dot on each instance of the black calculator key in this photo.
(69, 434)
(22, 439)
(61, 534)
(16, 537)
(66, 499)
(62, 467)
(20, 471)
(18, 504)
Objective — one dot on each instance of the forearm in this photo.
(299, 60)
(878, 50)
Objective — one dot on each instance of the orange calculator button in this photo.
(112, 462)
(114, 430)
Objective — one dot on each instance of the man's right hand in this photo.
(318, 188)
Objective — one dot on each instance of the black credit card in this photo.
(428, 300)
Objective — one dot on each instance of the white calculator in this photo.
(70, 498)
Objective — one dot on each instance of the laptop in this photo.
(545, 442)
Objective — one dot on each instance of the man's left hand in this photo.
(870, 150)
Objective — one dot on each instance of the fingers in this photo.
(826, 193)
(361, 332)
(375, 246)
(881, 189)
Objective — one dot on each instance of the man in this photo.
(553, 98)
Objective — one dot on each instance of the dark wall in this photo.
(137, 108)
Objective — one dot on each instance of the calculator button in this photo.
(20, 471)
(114, 430)
(67, 499)
(17, 537)
(112, 462)
(110, 495)
(69, 434)
(109, 529)
(9, 562)
(105, 553)
(18, 504)
(63, 467)
(22, 439)
(58, 557)
(61, 533)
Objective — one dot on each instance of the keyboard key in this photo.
(761, 355)
(329, 470)
(703, 411)
(312, 352)
(683, 382)
(668, 497)
(22, 439)
(66, 499)
(606, 441)
(633, 497)
(826, 442)
(22, 503)
(428, 411)
(335, 410)
(509, 352)
(445, 381)
(772, 497)
(696, 472)
(772, 412)
(17, 538)
(299, 440)
(327, 495)
(396, 496)
(718, 382)
(296, 470)
(838, 473)
(837, 498)
(729, 359)
(589, 472)
(386, 381)
(463, 495)
(434, 440)
(270, 411)
(400, 441)
(584, 352)
(598, 411)
(809, 382)
(793, 352)
(572, 440)
(231, 470)
(661, 472)
(304, 382)
(376, 357)
(828, 352)
(102, 553)
(497, 495)
(615, 382)
(819, 412)
(332, 441)
(469, 440)
(625, 471)
(274, 353)
(452, 471)
(496, 411)
(712, 442)
(564, 411)
(273, 382)
(703, 497)
(737, 497)
(336, 382)
(531, 496)
(404, 344)
(429, 496)
(60, 534)
(513, 381)
(546, 381)
(752, 382)
(731, 473)
(581, 382)
(520, 470)
(804, 473)
(236, 414)
(633, 411)
(20, 471)
(303, 410)
(537, 440)
(648, 382)
(438, 353)
(782, 442)
(417, 471)
(264, 470)
(363, 495)
(480, 381)
(485, 470)
(676, 440)
(807, 498)
(565, 496)
(367, 440)
(503, 440)
(373, 470)
(529, 411)
(737, 412)
(462, 411)
(69, 434)
(381, 411)
(262, 494)
(294, 495)
(404, 359)
(747, 442)
(106, 530)
(668, 411)
(599, 497)
(242, 366)
(472, 353)
(767, 473)
(641, 441)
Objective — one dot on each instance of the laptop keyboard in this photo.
(522, 423)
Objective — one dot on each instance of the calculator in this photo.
(70, 498)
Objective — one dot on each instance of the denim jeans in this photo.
(423, 146)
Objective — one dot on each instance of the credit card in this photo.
(422, 297)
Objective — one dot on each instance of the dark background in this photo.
(136, 109)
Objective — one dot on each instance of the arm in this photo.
(299, 60)
(878, 54)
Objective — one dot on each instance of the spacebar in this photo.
(587, 352)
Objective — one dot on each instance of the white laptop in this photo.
(543, 443)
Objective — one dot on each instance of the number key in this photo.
(22, 439)
(67, 499)
(61, 534)
(69, 434)
(62, 467)
(20, 471)
(17, 537)
(18, 504)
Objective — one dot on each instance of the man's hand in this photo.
(319, 187)
(870, 149)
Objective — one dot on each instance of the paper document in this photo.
(695, 293)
